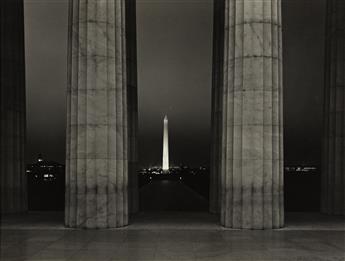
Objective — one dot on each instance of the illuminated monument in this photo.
(165, 165)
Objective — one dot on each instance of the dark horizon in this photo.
(174, 77)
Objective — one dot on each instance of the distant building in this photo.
(165, 163)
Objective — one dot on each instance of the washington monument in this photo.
(165, 165)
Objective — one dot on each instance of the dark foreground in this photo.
(171, 195)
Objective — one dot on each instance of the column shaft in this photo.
(13, 194)
(333, 172)
(216, 111)
(132, 105)
(252, 118)
(97, 133)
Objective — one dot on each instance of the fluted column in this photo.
(252, 119)
(216, 111)
(132, 105)
(97, 134)
(333, 171)
(13, 194)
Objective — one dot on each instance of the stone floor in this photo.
(172, 236)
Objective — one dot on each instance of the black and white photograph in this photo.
(158, 130)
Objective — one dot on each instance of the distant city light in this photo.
(300, 169)
(43, 170)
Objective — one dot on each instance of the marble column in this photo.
(216, 109)
(132, 91)
(13, 194)
(252, 118)
(333, 171)
(97, 120)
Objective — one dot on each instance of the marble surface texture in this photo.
(172, 236)
(13, 190)
(333, 172)
(251, 151)
(97, 122)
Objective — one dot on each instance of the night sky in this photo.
(174, 72)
